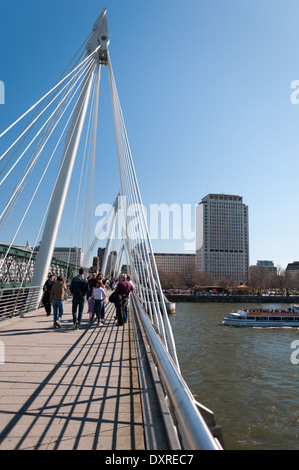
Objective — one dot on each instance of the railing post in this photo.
(16, 303)
(30, 302)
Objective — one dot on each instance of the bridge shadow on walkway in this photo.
(69, 389)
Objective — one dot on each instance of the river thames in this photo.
(244, 375)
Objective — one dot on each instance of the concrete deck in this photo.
(69, 389)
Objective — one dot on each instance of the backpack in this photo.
(77, 292)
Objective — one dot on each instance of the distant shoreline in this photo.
(257, 299)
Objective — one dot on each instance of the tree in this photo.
(189, 279)
(227, 282)
(170, 281)
(204, 279)
(295, 281)
(282, 280)
(258, 278)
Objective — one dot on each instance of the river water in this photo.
(244, 375)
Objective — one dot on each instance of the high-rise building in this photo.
(222, 237)
(111, 263)
(101, 254)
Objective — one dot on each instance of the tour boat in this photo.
(264, 318)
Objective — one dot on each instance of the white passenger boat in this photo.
(264, 318)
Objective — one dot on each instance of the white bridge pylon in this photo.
(84, 78)
(96, 46)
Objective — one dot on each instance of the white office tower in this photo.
(222, 237)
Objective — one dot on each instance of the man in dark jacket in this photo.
(47, 292)
(79, 289)
(122, 293)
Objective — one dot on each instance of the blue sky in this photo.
(205, 90)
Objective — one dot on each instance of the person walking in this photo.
(126, 309)
(92, 282)
(122, 293)
(57, 294)
(79, 289)
(47, 291)
(90, 306)
(99, 302)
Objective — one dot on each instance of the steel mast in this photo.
(97, 45)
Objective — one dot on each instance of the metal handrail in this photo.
(192, 429)
(18, 301)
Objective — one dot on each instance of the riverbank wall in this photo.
(256, 299)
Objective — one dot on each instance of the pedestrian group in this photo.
(93, 290)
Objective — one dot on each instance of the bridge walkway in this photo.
(71, 389)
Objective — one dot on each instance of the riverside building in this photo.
(293, 269)
(222, 237)
(170, 263)
(69, 255)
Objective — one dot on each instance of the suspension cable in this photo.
(80, 179)
(90, 71)
(57, 107)
(21, 183)
(130, 188)
(49, 92)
